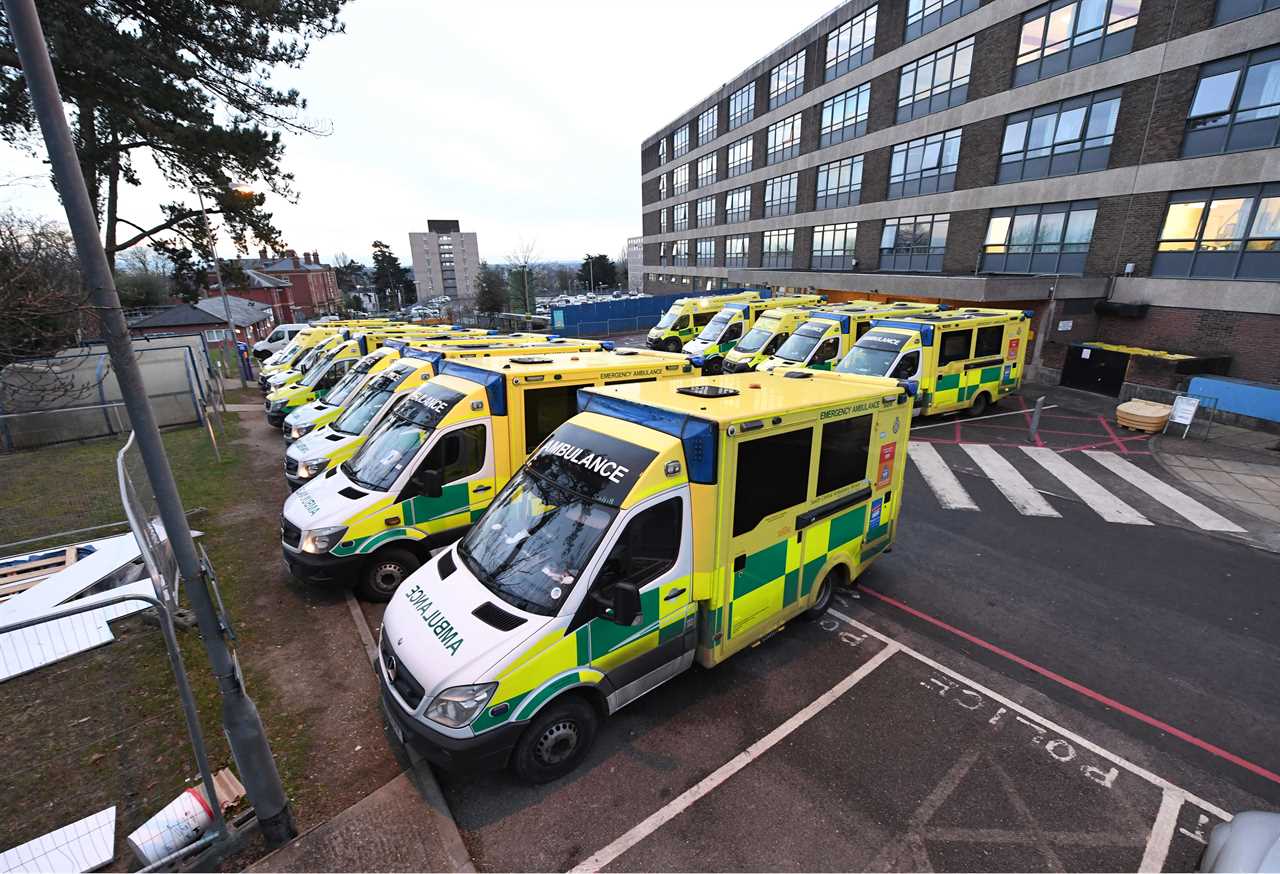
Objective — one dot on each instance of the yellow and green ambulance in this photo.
(332, 444)
(728, 326)
(438, 459)
(640, 538)
(771, 330)
(688, 315)
(291, 356)
(965, 359)
(829, 333)
(323, 375)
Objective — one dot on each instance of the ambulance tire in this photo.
(385, 571)
(826, 589)
(981, 401)
(556, 740)
(672, 344)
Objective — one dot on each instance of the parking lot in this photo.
(832, 746)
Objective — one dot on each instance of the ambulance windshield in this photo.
(758, 336)
(668, 319)
(393, 447)
(873, 354)
(801, 343)
(533, 543)
(316, 373)
(356, 417)
(346, 387)
(716, 326)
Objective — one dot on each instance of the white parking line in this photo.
(1161, 832)
(1188, 508)
(1095, 497)
(950, 494)
(1013, 485)
(682, 802)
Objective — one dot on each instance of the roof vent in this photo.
(707, 391)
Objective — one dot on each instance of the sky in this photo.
(523, 120)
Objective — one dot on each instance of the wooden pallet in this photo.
(20, 577)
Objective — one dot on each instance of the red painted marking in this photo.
(1105, 700)
(1112, 433)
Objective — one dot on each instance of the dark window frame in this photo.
(780, 150)
(850, 194)
(680, 141)
(1040, 254)
(940, 176)
(1233, 10)
(847, 127)
(705, 252)
(680, 180)
(737, 212)
(919, 103)
(849, 56)
(742, 105)
(780, 194)
(744, 162)
(707, 169)
(786, 80)
(1109, 39)
(1234, 129)
(708, 122)
(915, 254)
(946, 357)
(826, 254)
(982, 347)
(778, 257)
(1249, 256)
(731, 257)
(1085, 152)
(926, 16)
(706, 211)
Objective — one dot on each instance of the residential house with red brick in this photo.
(296, 288)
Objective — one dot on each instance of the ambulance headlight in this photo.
(321, 540)
(457, 706)
(277, 406)
(308, 469)
(697, 361)
(298, 431)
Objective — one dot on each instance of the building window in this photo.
(662, 221)
(662, 254)
(737, 205)
(784, 139)
(706, 212)
(1221, 233)
(851, 44)
(924, 16)
(735, 251)
(1230, 10)
(742, 105)
(707, 123)
(1236, 105)
(935, 82)
(914, 243)
(680, 217)
(1067, 34)
(680, 141)
(662, 151)
(740, 157)
(680, 179)
(786, 81)
(707, 170)
(780, 195)
(662, 187)
(680, 253)
(1050, 238)
(706, 252)
(924, 166)
(845, 116)
(778, 248)
(833, 247)
(1059, 139)
(839, 183)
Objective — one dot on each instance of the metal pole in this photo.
(240, 719)
(1035, 417)
(229, 340)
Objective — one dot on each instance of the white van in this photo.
(277, 340)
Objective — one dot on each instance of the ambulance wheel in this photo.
(980, 403)
(556, 740)
(384, 572)
(672, 344)
(823, 601)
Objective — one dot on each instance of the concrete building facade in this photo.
(446, 261)
(1113, 164)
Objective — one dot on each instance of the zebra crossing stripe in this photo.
(1188, 508)
(1098, 499)
(946, 488)
(1013, 485)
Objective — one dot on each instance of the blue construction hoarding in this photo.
(626, 316)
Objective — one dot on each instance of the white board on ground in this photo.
(84, 845)
(109, 555)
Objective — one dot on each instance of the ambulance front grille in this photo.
(409, 688)
(290, 466)
(291, 534)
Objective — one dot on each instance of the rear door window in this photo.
(772, 475)
(546, 409)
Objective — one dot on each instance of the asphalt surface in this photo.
(948, 754)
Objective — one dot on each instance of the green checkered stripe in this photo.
(418, 511)
(955, 388)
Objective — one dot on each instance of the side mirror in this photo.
(626, 604)
(428, 483)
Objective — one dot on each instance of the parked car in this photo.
(1250, 842)
(276, 340)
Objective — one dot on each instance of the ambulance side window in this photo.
(647, 548)
(458, 454)
(546, 409)
(906, 366)
(773, 474)
(732, 332)
(862, 328)
(701, 319)
(955, 346)
(990, 341)
(826, 351)
(842, 458)
(777, 341)
(681, 324)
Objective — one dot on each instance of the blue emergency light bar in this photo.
(494, 385)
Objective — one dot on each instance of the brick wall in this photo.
(979, 153)
(807, 190)
(1138, 232)
(1108, 230)
(891, 25)
(866, 247)
(1169, 114)
(882, 109)
(994, 51)
(1252, 340)
(964, 240)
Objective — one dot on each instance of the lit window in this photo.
(662, 187)
(1058, 139)
(851, 44)
(740, 157)
(916, 243)
(935, 82)
(924, 16)
(839, 183)
(845, 116)
(833, 247)
(662, 254)
(706, 212)
(1236, 105)
(707, 170)
(706, 252)
(737, 205)
(778, 248)
(735, 251)
(680, 179)
(707, 125)
(680, 141)
(742, 105)
(1049, 238)
(1068, 34)
(924, 166)
(1223, 233)
(680, 217)
(780, 195)
(784, 139)
(662, 221)
(680, 253)
(662, 151)
(786, 81)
